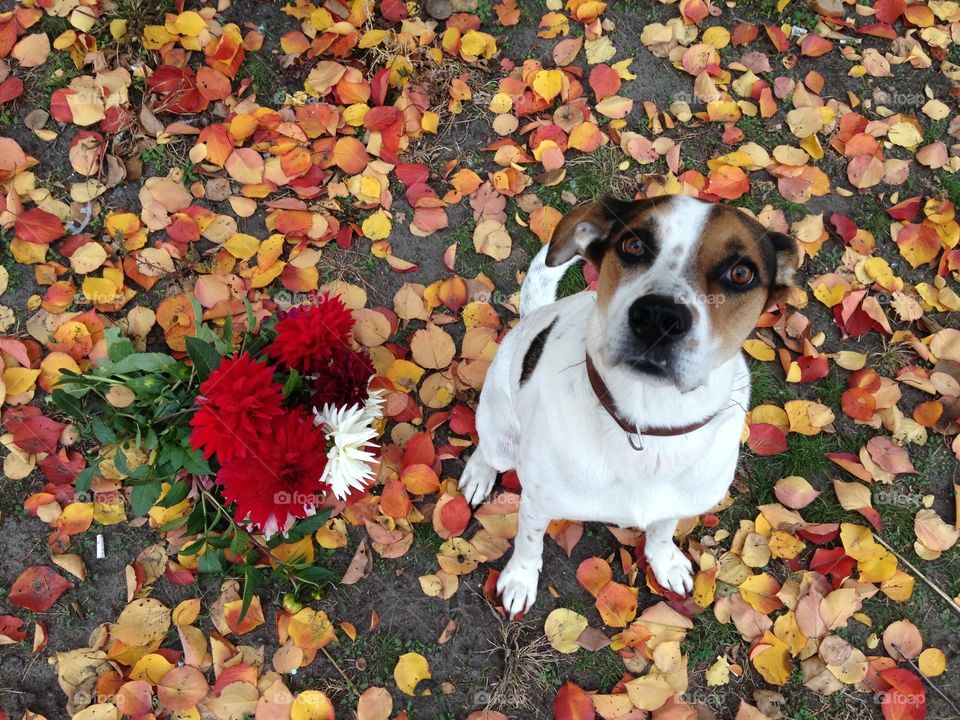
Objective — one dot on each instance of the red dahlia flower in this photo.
(280, 480)
(310, 334)
(238, 402)
(343, 380)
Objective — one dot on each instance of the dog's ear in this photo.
(578, 230)
(787, 254)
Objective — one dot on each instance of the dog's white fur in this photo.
(573, 460)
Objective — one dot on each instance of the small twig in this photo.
(949, 600)
(347, 680)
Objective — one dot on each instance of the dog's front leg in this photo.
(671, 567)
(518, 581)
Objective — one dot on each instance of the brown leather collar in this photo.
(602, 392)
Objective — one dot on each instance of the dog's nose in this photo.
(658, 318)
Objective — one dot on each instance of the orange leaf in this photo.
(182, 688)
(573, 703)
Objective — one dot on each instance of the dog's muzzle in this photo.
(657, 324)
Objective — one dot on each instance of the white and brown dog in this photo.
(625, 405)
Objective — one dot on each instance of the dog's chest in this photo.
(597, 476)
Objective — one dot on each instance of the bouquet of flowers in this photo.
(294, 426)
(252, 444)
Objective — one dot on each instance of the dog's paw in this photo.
(477, 482)
(517, 586)
(672, 569)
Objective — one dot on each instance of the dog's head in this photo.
(682, 282)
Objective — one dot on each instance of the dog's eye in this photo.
(740, 274)
(632, 245)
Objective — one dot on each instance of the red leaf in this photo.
(573, 703)
(38, 588)
(880, 30)
(845, 227)
(906, 699)
(889, 11)
(815, 46)
(906, 209)
(10, 89)
(12, 627)
(32, 431)
(38, 226)
(455, 515)
(766, 439)
(419, 451)
(393, 10)
(743, 34)
(462, 420)
(213, 84)
(777, 37)
(382, 118)
(605, 81)
(813, 368)
(858, 404)
(833, 562)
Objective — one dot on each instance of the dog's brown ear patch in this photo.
(787, 259)
(577, 231)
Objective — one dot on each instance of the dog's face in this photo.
(682, 282)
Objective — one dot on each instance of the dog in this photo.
(626, 405)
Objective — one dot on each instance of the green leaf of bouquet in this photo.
(239, 541)
(144, 362)
(211, 561)
(143, 497)
(84, 479)
(307, 526)
(315, 574)
(292, 383)
(194, 463)
(252, 579)
(204, 356)
(101, 432)
(118, 347)
(178, 491)
(67, 403)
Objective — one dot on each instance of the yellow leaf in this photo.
(241, 246)
(623, 69)
(19, 380)
(649, 693)
(118, 28)
(430, 122)
(377, 226)
(932, 662)
(599, 50)
(759, 350)
(27, 253)
(548, 84)
(410, 670)
(718, 673)
(190, 23)
(311, 705)
(773, 660)
(562, 629)
(151, 667)
(187, 612)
